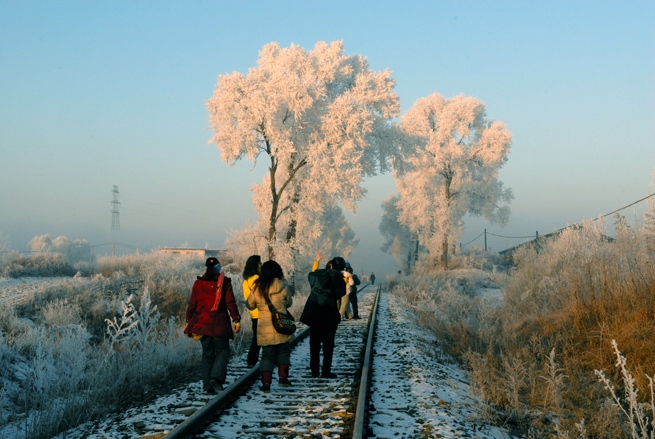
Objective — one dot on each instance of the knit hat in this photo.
(211, 262)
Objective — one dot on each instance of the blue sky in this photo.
(96, 94)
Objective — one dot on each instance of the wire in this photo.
(617, 210)
(474, 239)
(514, 237)
(533, 236)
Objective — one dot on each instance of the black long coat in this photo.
(321, 308)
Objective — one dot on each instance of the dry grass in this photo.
(533, 358)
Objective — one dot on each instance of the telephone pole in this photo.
(115, 222)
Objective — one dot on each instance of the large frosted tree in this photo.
(453, 157)
(322, 121)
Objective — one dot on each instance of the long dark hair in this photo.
(252, 266)
(271, 270)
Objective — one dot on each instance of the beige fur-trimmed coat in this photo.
(280, 298)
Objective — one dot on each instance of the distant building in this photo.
(202, 252)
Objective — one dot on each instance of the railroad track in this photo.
(311, 408)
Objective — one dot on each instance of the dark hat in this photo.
(211, 262)
(339, 263)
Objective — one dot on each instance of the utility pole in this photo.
(115, 222)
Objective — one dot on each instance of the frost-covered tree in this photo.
(453, 157)
(399, 241)
(335, 237)
(74, 251)
(322, 119)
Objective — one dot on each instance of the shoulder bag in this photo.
(283, 323)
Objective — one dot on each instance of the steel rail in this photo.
(362, 399)
(204, 416)
(189, 426)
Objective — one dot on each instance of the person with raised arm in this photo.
(321, 313)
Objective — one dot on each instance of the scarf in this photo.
(219, 291)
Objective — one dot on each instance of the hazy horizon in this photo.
(102, 94)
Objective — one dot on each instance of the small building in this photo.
(185, 251)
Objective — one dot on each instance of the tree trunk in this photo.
(275, 201)
(444, 254)
(444, 243)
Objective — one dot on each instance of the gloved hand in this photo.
(237, 327)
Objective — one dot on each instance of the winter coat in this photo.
(281, 300)
(321, 308)
(199, 316)
(248, 285)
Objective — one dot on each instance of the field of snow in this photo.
(14, 291)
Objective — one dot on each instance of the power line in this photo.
(533, 236)
(617, 210)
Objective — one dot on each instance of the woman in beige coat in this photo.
(275, 346)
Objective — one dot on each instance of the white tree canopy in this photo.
(323, 120)
(453, 157)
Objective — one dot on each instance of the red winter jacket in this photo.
(199, 316)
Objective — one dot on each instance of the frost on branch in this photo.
(119, 330)
(321, 120)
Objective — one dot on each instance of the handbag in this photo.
(283, 323)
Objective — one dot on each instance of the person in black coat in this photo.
(321, 313)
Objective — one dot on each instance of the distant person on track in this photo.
(250, 275)
(321, 313)
(211, 306)
(372, 277)
(275, 346)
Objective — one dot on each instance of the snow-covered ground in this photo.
(15, 291)
(415, 395)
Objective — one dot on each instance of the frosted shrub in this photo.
(43, 265)
(636, 413)
(141, 348)
(61, 313)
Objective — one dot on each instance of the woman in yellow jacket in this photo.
(250, 275)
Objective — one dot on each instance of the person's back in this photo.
(321, 313)
(327, 287)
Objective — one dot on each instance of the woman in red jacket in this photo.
(208, 320)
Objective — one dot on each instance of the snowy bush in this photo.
(87, 345)
(40, 265)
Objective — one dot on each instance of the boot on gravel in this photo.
(283, 375)
(267, 379)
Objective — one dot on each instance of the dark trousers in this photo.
(353, 302)
(215, 356)
(321, 337)
(275, 355)
(253, 352)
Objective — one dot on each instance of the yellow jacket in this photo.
(248, 285)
